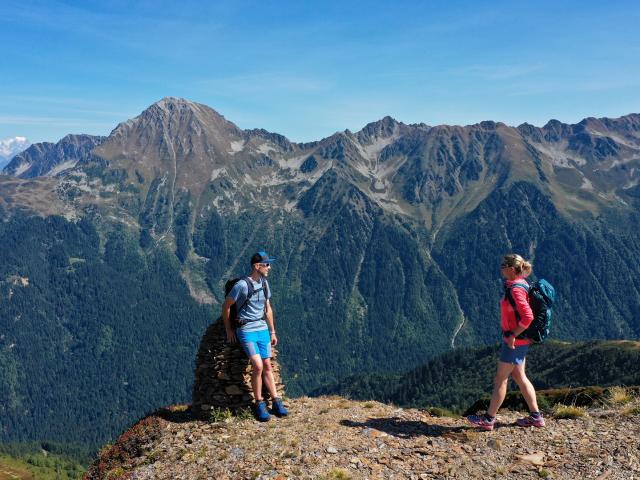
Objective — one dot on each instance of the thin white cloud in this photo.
(51, 121)
(498, 72)
(573, 86)
(266, 82)
(60, 104)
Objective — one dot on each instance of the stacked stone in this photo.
(223, 374)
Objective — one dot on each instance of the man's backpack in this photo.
(234, 313)
(541, 296)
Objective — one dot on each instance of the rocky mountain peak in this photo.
(177, 117)
(170, 132)
(332, 437)
(554, 130)
(383, 128)
(275, 138)
(629, 124)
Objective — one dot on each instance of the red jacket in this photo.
(508, 319)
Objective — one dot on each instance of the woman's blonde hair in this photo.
(519, 264)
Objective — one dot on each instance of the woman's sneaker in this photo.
(260, 412)
(482, 421)
(531, 421)
(278, 409)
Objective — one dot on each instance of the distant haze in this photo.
(10, 147)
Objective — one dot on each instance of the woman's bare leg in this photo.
(526, 387)
(499, 387)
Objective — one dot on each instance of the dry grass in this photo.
(570, 412)
(632, 410)
(337, 474)
(500, 470)
(619, 396)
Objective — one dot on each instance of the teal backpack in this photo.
(541, 297)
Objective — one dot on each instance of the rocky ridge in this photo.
(51, 159)
(332, 437)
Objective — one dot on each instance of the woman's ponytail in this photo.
(526, 268)
(520, 265)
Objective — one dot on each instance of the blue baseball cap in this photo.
(261, 257)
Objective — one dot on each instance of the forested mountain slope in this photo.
(457, 379)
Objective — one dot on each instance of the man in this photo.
(256, 331)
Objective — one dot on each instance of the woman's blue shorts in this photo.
(254, 343)
(514, 356)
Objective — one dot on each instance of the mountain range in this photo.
(388, 242)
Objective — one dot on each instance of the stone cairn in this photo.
(223, 374)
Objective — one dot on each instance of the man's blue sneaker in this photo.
(277, 408)
(260, 412)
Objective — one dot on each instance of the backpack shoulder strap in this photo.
(509, 297)
(250, 289)
(250, 292)
(266, 289)
(524, 286)
(266, 295)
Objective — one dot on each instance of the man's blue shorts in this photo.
(514, 356)
(254, 343)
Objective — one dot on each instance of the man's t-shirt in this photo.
(253, 311)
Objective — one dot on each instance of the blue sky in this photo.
(308, 69)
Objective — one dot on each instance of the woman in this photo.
(513, 350)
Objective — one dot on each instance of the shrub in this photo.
(220, 415)
(440, 412)
(244, 414)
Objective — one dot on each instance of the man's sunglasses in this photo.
(265, 264)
